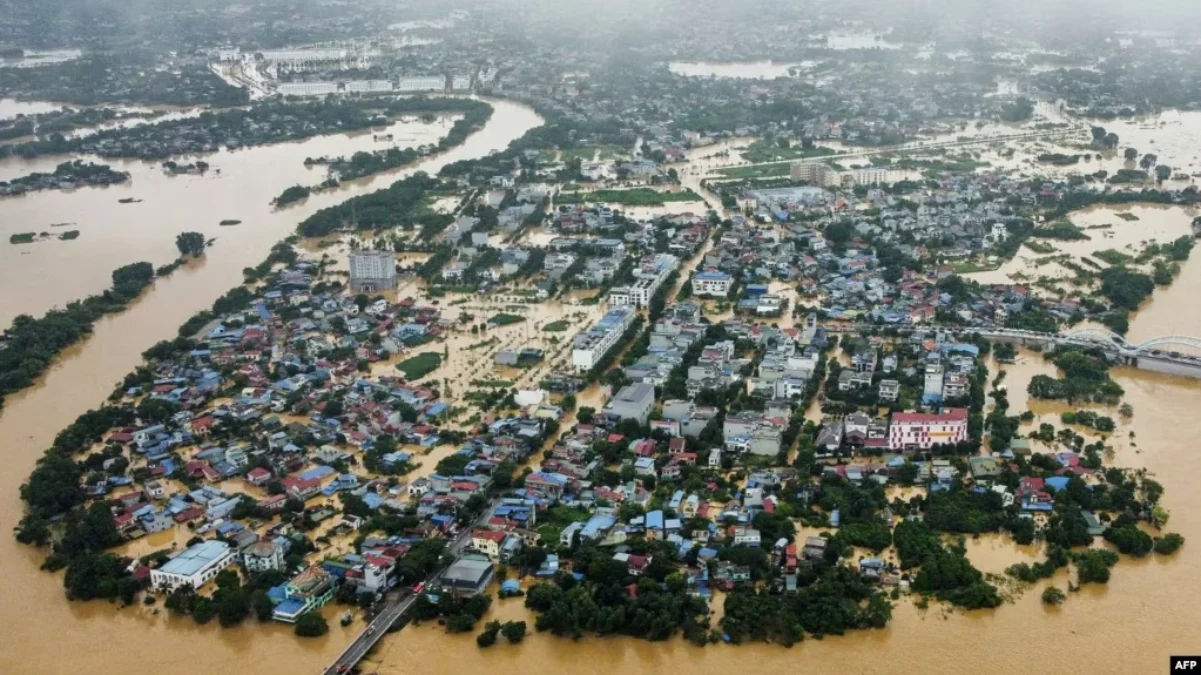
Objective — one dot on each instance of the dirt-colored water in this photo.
(113, 234)
(1149, 610)
(1106, 230)
(42, 633)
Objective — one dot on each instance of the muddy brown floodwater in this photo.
(39, 631)
(1150, 608)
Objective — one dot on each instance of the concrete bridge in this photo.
(396, 605)
(1160, 354)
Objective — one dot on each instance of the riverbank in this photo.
(86, 373)
(123, 233)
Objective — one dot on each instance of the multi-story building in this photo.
(633, 402)
(648, 279)
(590, 345)
(816, 173)
(309, 590)
(372, 270)
(195, 567)
(922, 431)
(264, 556)
(712, 284)
(869, 176)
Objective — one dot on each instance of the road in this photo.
(395, 606)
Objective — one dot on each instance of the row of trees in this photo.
(32, 344)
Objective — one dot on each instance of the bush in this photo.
(1168, 544)
(1053, 596)
(514, 631)
(311, 624)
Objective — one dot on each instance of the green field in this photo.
(505, 319)
(22, 238)
(419, 366)
(556, 326)
(634, 197)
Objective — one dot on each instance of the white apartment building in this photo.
(372, 270)
(712, 284)
(589, 346)
(869, 176)
(649, 278)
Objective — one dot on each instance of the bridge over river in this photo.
(396, 604)
(1160, 354)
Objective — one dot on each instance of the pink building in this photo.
(921, 431)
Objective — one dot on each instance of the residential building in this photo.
(589, 346)
(816, 173)
(648, 279)
(712, 284)
(307, 591)
(488, 542)
(264, 556)
(372, 270)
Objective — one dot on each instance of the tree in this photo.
(1131, 154)
(263, 607)
(1168, 544)
(190, 243)
(311, 624)
(1163, 172)
(514, 631)
(1053, 596)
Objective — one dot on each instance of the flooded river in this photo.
(1150, 608)
(113, 234)
(41, 632)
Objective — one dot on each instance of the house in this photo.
(815, 548)
(258, 476)
(264, 556)
(829, 439)
(488, 542)
(744, 536)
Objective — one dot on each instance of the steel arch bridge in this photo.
(1102, 337)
